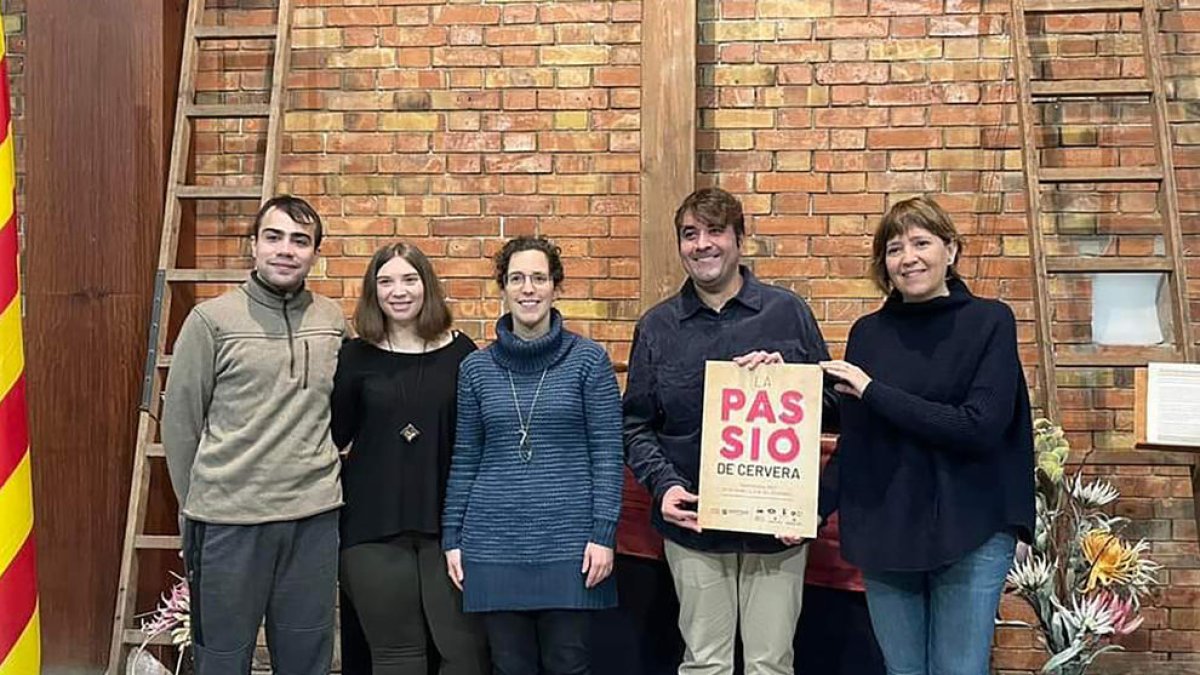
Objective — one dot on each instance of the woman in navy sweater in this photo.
(535, 481)
(934, 470)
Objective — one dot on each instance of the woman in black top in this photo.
(934, 467)
(394, 413)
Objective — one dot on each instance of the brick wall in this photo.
(14, 37)
(456, 124)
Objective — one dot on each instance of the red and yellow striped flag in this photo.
(19, 638)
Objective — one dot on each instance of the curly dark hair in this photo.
(527, 243)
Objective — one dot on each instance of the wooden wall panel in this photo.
(668, 138)
(96, 160)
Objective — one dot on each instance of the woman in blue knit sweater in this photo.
(934, 467)
(535, 481)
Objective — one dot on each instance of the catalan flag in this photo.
(19, 638)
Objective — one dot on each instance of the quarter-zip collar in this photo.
(266, 294)
(285, 302)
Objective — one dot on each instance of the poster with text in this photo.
(760, 448)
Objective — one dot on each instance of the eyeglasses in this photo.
(518, 279)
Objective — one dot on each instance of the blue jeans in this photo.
(941, 622)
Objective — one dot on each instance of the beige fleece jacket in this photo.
(245, 421)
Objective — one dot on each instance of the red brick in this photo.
(572, 12)
(359, 16)
(865, 203)
(452, 15)
(899, 7)
(852, 73)
(791, 140)
(791, 182)
(903, 138)
(851, 117)
(859, 27)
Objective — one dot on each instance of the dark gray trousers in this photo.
(400, 589)
(285, 571)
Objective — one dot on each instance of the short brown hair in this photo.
(527, 243)
(712, 206)
(297, 209)
(433, 320)
(922, 212)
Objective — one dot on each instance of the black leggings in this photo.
(399, 587)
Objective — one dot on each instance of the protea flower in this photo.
(1124, 613)
(1031, 574)
(173, 615)
(1095, 494)
(1091, 615)
(1111, 561)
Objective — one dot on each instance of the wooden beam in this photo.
(668, 138)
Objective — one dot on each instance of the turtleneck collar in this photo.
(524, 356)
(959, 295)
(266, 294)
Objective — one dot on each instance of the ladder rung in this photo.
(1090, 87)
(224, 276)
(155, 450)
(229, 110)
(235, 32)
(1132, 357)
(217, 192)
(1081, 6)
(1083, 265)
(158, 541)
(1100, 174)
(164, 361)
(133, 636)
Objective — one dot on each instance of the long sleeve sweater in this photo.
(937, 456)
(391, 485)
(523, 522)
(245, 421)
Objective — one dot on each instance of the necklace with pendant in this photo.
(409, 432)
(525, 445)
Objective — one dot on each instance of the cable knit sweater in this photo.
(523, 525)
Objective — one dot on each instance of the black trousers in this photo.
(835, 635)
(403, 600)
(641, 636)
(549, 642)
(356, 653)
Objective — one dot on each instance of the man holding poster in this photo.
(722, 313)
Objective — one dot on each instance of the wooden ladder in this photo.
(1150, 89)
(187, 111)
(1170, 263)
